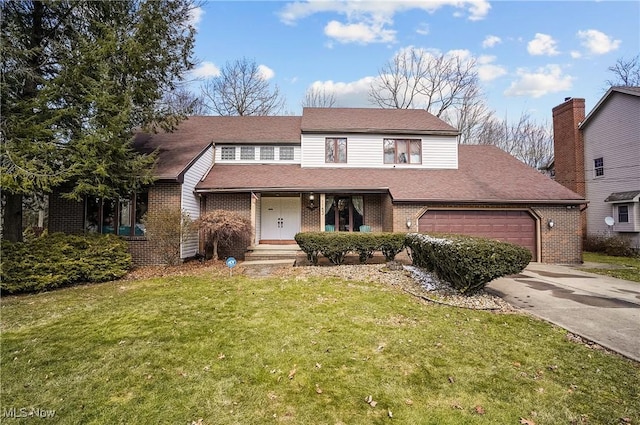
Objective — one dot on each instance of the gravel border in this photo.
(410, 279)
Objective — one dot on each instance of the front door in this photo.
(280, 218)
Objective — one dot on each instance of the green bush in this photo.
(59, 259)
(336, 245)
(467, 263)
(617, 246)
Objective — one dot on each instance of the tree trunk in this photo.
(215, 247)
(12, 230)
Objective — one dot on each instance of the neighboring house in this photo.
(598, 155)
(358, 169)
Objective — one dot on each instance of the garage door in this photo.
(517, 227)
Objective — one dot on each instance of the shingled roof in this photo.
(178, 149)
(485, 174)
(370, 120)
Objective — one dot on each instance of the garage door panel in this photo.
(513, 226)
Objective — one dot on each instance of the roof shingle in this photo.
(486, 174)
(370, 120)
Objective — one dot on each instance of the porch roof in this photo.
(486, 174)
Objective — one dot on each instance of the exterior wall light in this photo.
(551, 223)
(408, 223)
(312, 202)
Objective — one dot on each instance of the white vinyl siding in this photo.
(190, 203)
(613, 134)
(366, 151)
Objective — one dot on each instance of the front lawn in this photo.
(627, 268)
(215, 349)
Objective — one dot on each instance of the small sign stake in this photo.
(231, 263)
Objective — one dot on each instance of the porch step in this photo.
(272, 252)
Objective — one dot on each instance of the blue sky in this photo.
(531, 55)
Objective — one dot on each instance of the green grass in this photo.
(235, 350)
(627, 268)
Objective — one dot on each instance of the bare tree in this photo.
(528, 141)
(184, 102)
(416, 78)
(317, 97)
(242, 89)
(470, 116)
(626, 73)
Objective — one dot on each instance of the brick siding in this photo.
(237, 202)
(568, 149)
(65, 215)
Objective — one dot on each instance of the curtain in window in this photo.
(358, 204)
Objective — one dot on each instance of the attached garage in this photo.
(515, 226)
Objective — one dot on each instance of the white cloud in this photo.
(575, 54)
(539, 83)
(265, 72)
(354, 94)
(369, 21)
(359, 33)
(598, 43)
(490, 41)
(487, 70)
(195, 16)
(206, 70)
(292, 12)
(542, 44)
(423, 29)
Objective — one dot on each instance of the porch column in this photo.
(322, 211)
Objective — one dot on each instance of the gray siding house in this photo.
(609, 164)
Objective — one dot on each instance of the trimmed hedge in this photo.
(60, 259)
(336, 245)
(467, 263)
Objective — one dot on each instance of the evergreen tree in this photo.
(77, 79)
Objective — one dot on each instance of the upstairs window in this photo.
(267, 153)
(598, 166)
(335, 150)
(286, 153)
(247, 153)
(402, 151)
(228, 152)
(623, 214)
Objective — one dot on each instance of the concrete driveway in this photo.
(601, 309)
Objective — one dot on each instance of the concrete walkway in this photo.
(601, 309)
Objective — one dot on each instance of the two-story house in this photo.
(352, 170)
(598, 156)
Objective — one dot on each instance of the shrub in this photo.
(221, 227)
(58, 260)
(336, 245)
(166, 228)
(617, 246)
(467, 263)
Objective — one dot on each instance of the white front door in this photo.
(280, 218)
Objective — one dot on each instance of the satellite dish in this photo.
(609, 221)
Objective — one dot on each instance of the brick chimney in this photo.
(568, 144)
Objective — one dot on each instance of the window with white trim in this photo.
(248, 153)
(286, 153)
(267, 153)
(228, 153)
(598, 167)
(623, 213)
